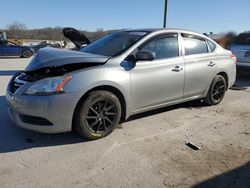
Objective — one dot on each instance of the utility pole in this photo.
(165, 14)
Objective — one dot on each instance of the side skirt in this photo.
(165, 104)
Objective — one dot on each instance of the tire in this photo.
(216, 91)
(26, 53)
(98, 115)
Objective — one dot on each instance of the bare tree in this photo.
(17, 28)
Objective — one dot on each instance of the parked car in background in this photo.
(44, 44)
(8, 48)
(119, 75)
(241, 48)
(16, 41)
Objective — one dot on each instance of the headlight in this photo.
(48, 86)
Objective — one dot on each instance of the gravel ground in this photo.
(146, 151)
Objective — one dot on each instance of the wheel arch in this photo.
(109, 88)
(224, 74)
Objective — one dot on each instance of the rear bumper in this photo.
(243, 66)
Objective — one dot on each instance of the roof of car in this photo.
(176, 30)
(160, 29)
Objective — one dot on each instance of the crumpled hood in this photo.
(52, 57)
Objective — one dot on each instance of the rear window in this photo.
(243, 39)
(194, 45)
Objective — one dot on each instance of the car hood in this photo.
(76, 37)
(52, 57)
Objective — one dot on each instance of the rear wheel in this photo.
(216, 91)
(98, 115)
(26, 53)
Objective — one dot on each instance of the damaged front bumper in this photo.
(46, 114)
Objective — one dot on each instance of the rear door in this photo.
(200, 65)
(161, 80)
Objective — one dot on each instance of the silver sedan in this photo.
(119, 75)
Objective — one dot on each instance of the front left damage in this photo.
(51, 62)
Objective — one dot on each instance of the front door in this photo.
(11, 49)
(160, 80)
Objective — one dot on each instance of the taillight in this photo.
(234, 58)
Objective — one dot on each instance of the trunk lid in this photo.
(242, 52)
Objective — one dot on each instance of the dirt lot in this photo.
(147, 151)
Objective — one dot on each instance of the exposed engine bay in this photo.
(31, 76)
(23, 77)
(52, 62)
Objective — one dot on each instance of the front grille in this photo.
(35, 120)
(16, 83)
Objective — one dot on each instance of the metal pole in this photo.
(165, 14)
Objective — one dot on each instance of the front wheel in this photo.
(98, 115)
(216, 91)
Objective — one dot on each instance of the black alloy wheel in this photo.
(101, 116)
(216, 91)
(98, 115)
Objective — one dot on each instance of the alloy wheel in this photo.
(26, 53)
(218, 91)
(101, 116)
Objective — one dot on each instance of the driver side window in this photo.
(163, 47)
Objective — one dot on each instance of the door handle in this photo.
(177, 69)
(211, 64)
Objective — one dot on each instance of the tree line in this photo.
(17, 30)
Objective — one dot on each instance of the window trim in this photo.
(210, 51)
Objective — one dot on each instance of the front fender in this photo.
(87, 79)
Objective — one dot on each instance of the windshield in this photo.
(243, 39)
(114, 44)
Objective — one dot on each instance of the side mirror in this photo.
(145, 56)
